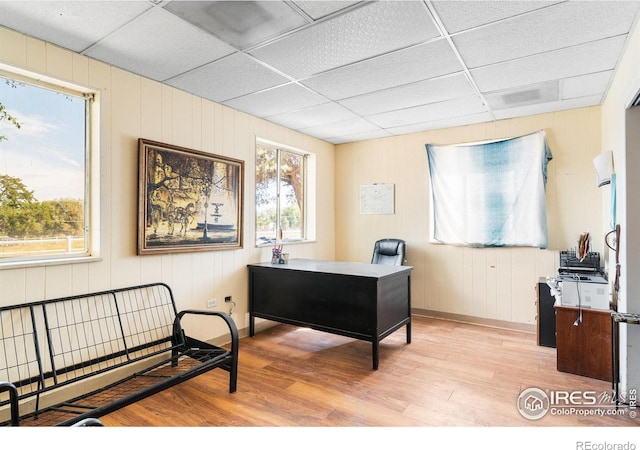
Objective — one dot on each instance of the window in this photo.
(283, 207)
(48, 194)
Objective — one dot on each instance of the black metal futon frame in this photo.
(67, 360)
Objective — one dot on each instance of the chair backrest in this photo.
(389, 251)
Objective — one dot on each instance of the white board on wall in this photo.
(377, 199)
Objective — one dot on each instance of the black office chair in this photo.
(390, 251)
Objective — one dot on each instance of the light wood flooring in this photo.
(452, 374)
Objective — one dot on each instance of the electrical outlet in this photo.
(211, 303)
(227, 298)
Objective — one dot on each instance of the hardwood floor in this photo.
(452, 374)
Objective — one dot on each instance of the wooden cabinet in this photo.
(584, 348)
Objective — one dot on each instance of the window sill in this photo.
(48, 262)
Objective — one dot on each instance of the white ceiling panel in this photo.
(243, 24)
(359, 137)
(585, 85)
(352, 70)
(65, 23)
(568, 62)
(341, 128)
(393, 69)
(463, 15)
(414, 94)
(159, 45)
(373, 29)
(313, 116)
(232, 76)
(580, 102)
(278, 100)
(442, 123)
(560, 26)
(524, 95)
(319, 9)
(426, 113)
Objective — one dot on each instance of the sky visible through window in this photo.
(48, 151)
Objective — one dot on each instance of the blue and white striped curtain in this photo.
(490, 194)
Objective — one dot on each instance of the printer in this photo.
(581, 283)
(584, 291)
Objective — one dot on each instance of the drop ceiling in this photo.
(345, 71)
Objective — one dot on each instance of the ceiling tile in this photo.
(341, 128)
(313, 116)
(462, 15)
(559, 26)
(164, 46)
(586, 58)
(426, 113)
(377, 134)
(232, 76)
(543, 108)
(239, 23)
(584, 85)
(65, 22)
(318, 9)
(414, 94)
(376, 28)
(524, 95)
(442, 123)
(393, 69)
(278, 100)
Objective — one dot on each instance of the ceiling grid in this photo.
(344, 71)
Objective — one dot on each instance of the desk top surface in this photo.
(337, 267)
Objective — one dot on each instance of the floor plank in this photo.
(452, 374)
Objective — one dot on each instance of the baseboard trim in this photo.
(262, 325)
(514, 326)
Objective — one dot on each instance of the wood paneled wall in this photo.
(133, 107)
(496, 284)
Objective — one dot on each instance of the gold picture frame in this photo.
(188, 200)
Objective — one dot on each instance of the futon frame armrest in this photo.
(13, 398)
(233, 330)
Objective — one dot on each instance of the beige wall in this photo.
(496, 284)
(626, 149)
(133, 107)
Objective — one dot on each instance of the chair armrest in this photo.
(13, 398)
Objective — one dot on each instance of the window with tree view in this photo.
(45, 212)
(281, 188)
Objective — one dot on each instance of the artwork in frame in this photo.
(188, 200)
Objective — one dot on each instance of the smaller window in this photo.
(282, 194)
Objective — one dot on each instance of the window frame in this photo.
(309, 194)
(92, 178)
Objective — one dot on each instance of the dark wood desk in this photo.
(357, 300)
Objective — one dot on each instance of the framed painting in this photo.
(188, 200)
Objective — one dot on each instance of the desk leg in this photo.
(409, 333)
(252, 325)
(376, 353)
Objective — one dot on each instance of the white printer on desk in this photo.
(584, 291)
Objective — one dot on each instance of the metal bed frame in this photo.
(52, 348)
